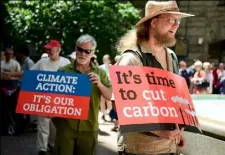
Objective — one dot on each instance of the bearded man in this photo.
(147, 45)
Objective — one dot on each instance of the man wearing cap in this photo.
(46, 129)
(50, 63)
(147, 45)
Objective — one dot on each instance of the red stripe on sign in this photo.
(53, 105)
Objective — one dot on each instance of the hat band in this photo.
(171, 9)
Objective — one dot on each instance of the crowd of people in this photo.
(49, 130)
(203, 78)
(146, 45)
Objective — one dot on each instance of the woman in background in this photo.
(200, 86)
(208, 76)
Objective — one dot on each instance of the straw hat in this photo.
(155, 8)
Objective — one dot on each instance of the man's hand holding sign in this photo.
(95, 79)
(150, 99)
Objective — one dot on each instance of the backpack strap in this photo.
(136, 53)
(175, 63)
(142, 56)
(147, 58)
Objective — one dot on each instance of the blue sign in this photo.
(56, 82)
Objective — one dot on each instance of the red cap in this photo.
(52, 43)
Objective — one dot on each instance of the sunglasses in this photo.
(83, 50)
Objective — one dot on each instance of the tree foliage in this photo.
(38, 21)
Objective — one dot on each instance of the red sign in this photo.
(53, 105)
(151, 99)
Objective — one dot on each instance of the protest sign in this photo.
(55, 94)
(151, 99)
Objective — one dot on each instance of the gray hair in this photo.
(86, 38)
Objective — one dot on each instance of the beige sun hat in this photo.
(155, 8)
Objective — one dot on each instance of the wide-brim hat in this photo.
(155, 8)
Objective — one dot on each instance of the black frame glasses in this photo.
(79, 49)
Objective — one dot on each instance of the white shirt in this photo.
(11, 66)
(46, 64)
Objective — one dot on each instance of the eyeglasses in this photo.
(79, 49)
(172, 20)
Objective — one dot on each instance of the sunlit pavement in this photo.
(211, 109)
(197, 144)
(107, 139)
(25, 144)
(210, 112)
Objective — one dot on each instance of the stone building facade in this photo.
(206, 31)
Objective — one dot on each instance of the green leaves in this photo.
(106, 20)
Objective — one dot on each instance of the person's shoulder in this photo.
(170, 51)
(130, 57)
(43, 60)
(66, 68)
(30, 60)
(14, 61)
(130, 51)
(65, 60)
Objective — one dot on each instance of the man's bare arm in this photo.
(9, 75)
